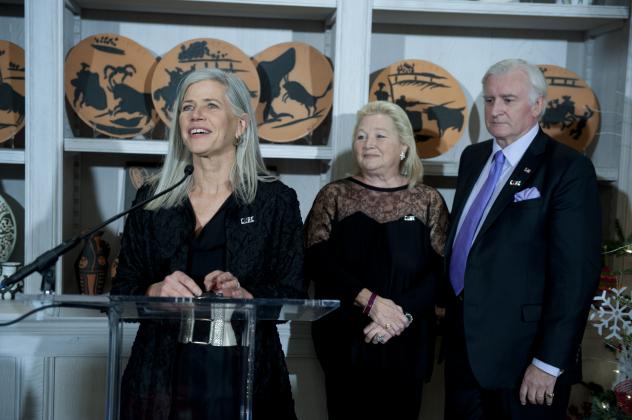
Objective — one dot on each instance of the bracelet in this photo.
(369, 305)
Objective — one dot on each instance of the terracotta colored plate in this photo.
(572, 112)
(107, 79)
(198, 54)
(296, 91)
(11, 90)
(432, 98)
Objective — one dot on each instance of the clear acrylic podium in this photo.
(216, 311)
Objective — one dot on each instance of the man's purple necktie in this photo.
(465, 237)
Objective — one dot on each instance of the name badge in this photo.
(515, 183)
(246, 220)
(409, 218)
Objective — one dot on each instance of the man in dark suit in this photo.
(523, 256)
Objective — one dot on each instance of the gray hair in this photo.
(537, 82)
(411, 166)
(248, 168)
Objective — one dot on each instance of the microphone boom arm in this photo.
(44, 264)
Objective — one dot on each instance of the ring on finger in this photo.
(380, 339)
(387, 326)
(549, 395)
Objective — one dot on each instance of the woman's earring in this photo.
(237, 141)
(402, 155)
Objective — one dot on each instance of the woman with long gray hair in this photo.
(230, 229)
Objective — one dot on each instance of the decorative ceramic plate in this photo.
(198, 54)
(432, 98)
(11, 90)
(107, 79)
(8, 231)
(572, 112)
(296, 91)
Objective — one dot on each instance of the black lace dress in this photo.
(263, 249)
(390, 241)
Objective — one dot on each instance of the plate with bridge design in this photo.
(198, 54)
(11, 90)
(296, 91)
(106, 80)
(431, 97)
(572, 113)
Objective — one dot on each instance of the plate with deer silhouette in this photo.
(199, 54)
(296, 91)
(572, 112)
(107, 82)
(431, 97)
(11, 90)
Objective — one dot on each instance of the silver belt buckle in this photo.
(220, 331)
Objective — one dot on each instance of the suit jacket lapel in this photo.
(472, 171)
(531, 160)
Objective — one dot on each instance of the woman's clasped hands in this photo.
(178, 284)
(388, 321)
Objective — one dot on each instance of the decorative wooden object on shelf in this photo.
(432, 98)
(107, 82)
(572, 113)
(12, 72)
(198, 54)
(92, 265)
(296, 91)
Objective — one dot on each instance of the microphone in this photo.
(45, 261)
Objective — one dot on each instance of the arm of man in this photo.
(573, 264)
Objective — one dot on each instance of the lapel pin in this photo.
(515, 183)
(527, 170)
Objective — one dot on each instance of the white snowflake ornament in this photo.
(613, 315)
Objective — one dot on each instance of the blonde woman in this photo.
(375, 241)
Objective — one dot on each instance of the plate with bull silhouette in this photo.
(107, 82)
(199, 54)
(296, 91)
(431, 97)
(11, 90)
(572, 112)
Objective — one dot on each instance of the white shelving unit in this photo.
(464, 37)
(15, 157)
(70, 183)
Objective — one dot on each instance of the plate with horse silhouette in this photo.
(107, 82)
(199, 54)
(11, 90)
(431, 97)
(572, 112)
(296, 91)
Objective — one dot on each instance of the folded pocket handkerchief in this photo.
(526, 194)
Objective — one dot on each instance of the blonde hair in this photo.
(248, 168)
(411, 167)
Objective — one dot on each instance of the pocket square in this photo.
(526, 194)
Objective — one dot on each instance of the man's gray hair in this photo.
(535, 76)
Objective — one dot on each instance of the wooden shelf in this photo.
(498, 15)
(10, 156)
(277, 9)
(159, 147)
